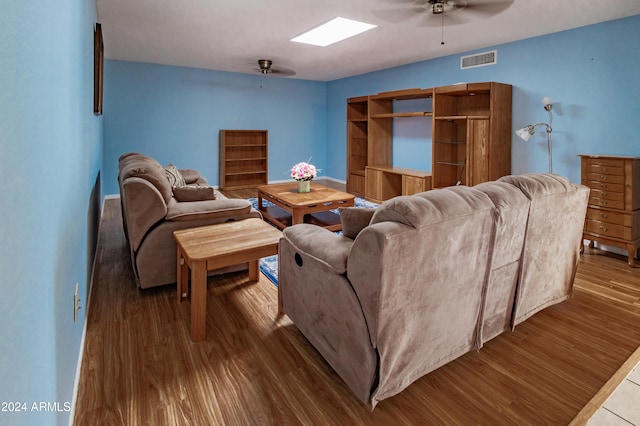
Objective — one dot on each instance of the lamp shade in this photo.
(525, 133)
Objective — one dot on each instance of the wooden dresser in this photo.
(613, 213)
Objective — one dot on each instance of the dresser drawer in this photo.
(608, 229)
(607, 195)
(604, 186)
(609, 216)
(605, 165)
(605, 178)
(606, 202)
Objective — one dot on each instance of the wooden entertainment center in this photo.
(471, 139)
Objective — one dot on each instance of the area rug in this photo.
(269, 265)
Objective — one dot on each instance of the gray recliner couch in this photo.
(152, 209)
(423, 279)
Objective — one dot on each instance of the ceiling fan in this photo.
(450, 12)
(265, 66)
(446, 12)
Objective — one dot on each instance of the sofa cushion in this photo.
(192, 176)
(194, 193)
(430, 207)
(139, 165)
(354, 220)
(206, 209)
(174, 176)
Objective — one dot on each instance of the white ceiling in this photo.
(231, 35)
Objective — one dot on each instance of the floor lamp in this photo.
(527, 131)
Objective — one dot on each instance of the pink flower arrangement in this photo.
(303, 171)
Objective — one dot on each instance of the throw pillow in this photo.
(174, 176)
(194, 193)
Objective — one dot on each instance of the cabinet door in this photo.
(412, 185)
(478, 170)
(373, 184)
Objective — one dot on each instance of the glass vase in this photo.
(304, 186)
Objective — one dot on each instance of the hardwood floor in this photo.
(140, 366)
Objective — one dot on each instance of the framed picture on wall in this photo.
(98, 67)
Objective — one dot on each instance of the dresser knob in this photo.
(603, 228)
(604, 215)
(604, 194)
(604, 177)
(604, 185)
(605, 169)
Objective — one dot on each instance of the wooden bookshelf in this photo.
(243, 158)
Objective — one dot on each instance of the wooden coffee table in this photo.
(217, 246)
(292, 207)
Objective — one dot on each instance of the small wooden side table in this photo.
(217, 246)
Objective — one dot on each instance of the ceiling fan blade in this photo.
(394, 15)
(487, 7)
(283, 72)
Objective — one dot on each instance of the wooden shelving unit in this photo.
(471, 136)
(471, 133)
(243, 158)
(358, 143)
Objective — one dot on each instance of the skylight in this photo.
(333, 31)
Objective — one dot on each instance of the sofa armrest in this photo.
(143, 208)
(208, 209)
(321, 244)
(193, 177)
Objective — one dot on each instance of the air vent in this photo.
(479, 60)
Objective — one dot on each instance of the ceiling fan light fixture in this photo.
(265, 65)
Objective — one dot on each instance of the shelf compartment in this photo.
(462, 105)
(245, 137)
(357, 109)
(245, 166)
(245, 153)
(245, 180)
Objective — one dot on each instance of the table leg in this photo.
(254, 270)
(297, 216)
(182, 279)
(198, 301)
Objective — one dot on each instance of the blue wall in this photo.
(590, 72)
(174, 114)
(51, 151)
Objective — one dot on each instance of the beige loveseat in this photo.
(423, 279)
(152, 209)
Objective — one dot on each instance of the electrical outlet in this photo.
(76, 304)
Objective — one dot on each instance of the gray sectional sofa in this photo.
(153, 207)
(423, 279)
